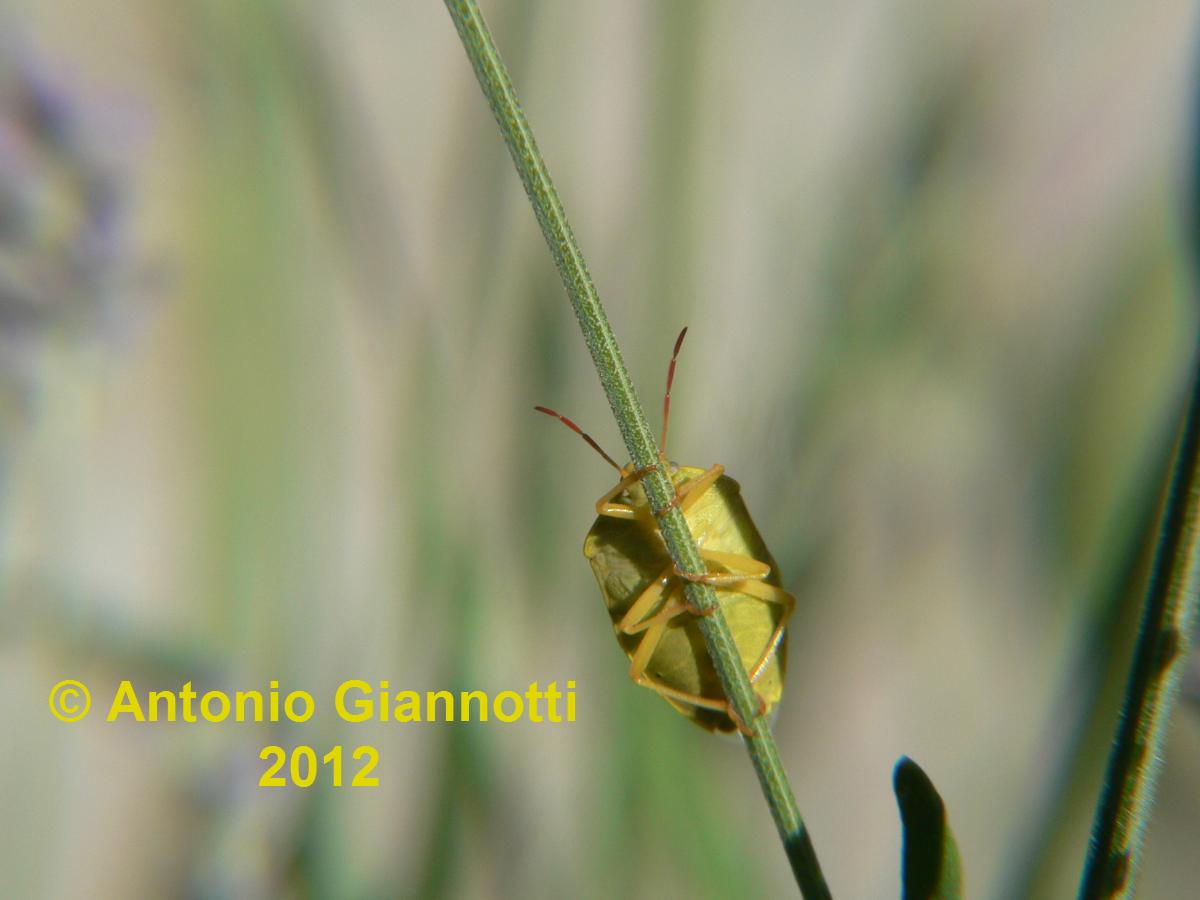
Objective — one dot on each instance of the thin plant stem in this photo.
(1161, 651)
(639, 440)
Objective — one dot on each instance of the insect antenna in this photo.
(662, 447)
(579, 431)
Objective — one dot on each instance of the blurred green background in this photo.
(274, 313)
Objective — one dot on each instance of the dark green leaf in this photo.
(930, 868)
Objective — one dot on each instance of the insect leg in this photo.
(769, 593)
(632, 622)
(605, 505)
(637, 671)
(744, 568)
(689, 493)
(747, 566)
(740, 568)
(684, 496)
(694, 489)
(752, 570)
(664, 615)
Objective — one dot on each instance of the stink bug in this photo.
(644, 591)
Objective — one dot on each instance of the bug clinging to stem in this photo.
(643, 589)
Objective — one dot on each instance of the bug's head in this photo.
(630, 469)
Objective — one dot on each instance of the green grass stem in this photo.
(635, 430)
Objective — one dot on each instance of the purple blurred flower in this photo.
(66, 260)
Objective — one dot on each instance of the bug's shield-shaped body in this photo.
(629, 556)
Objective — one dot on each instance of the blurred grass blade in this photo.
(930, 865)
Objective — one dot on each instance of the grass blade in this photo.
(930, 868)
(639, 440)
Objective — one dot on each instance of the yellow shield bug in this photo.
(644, 591)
